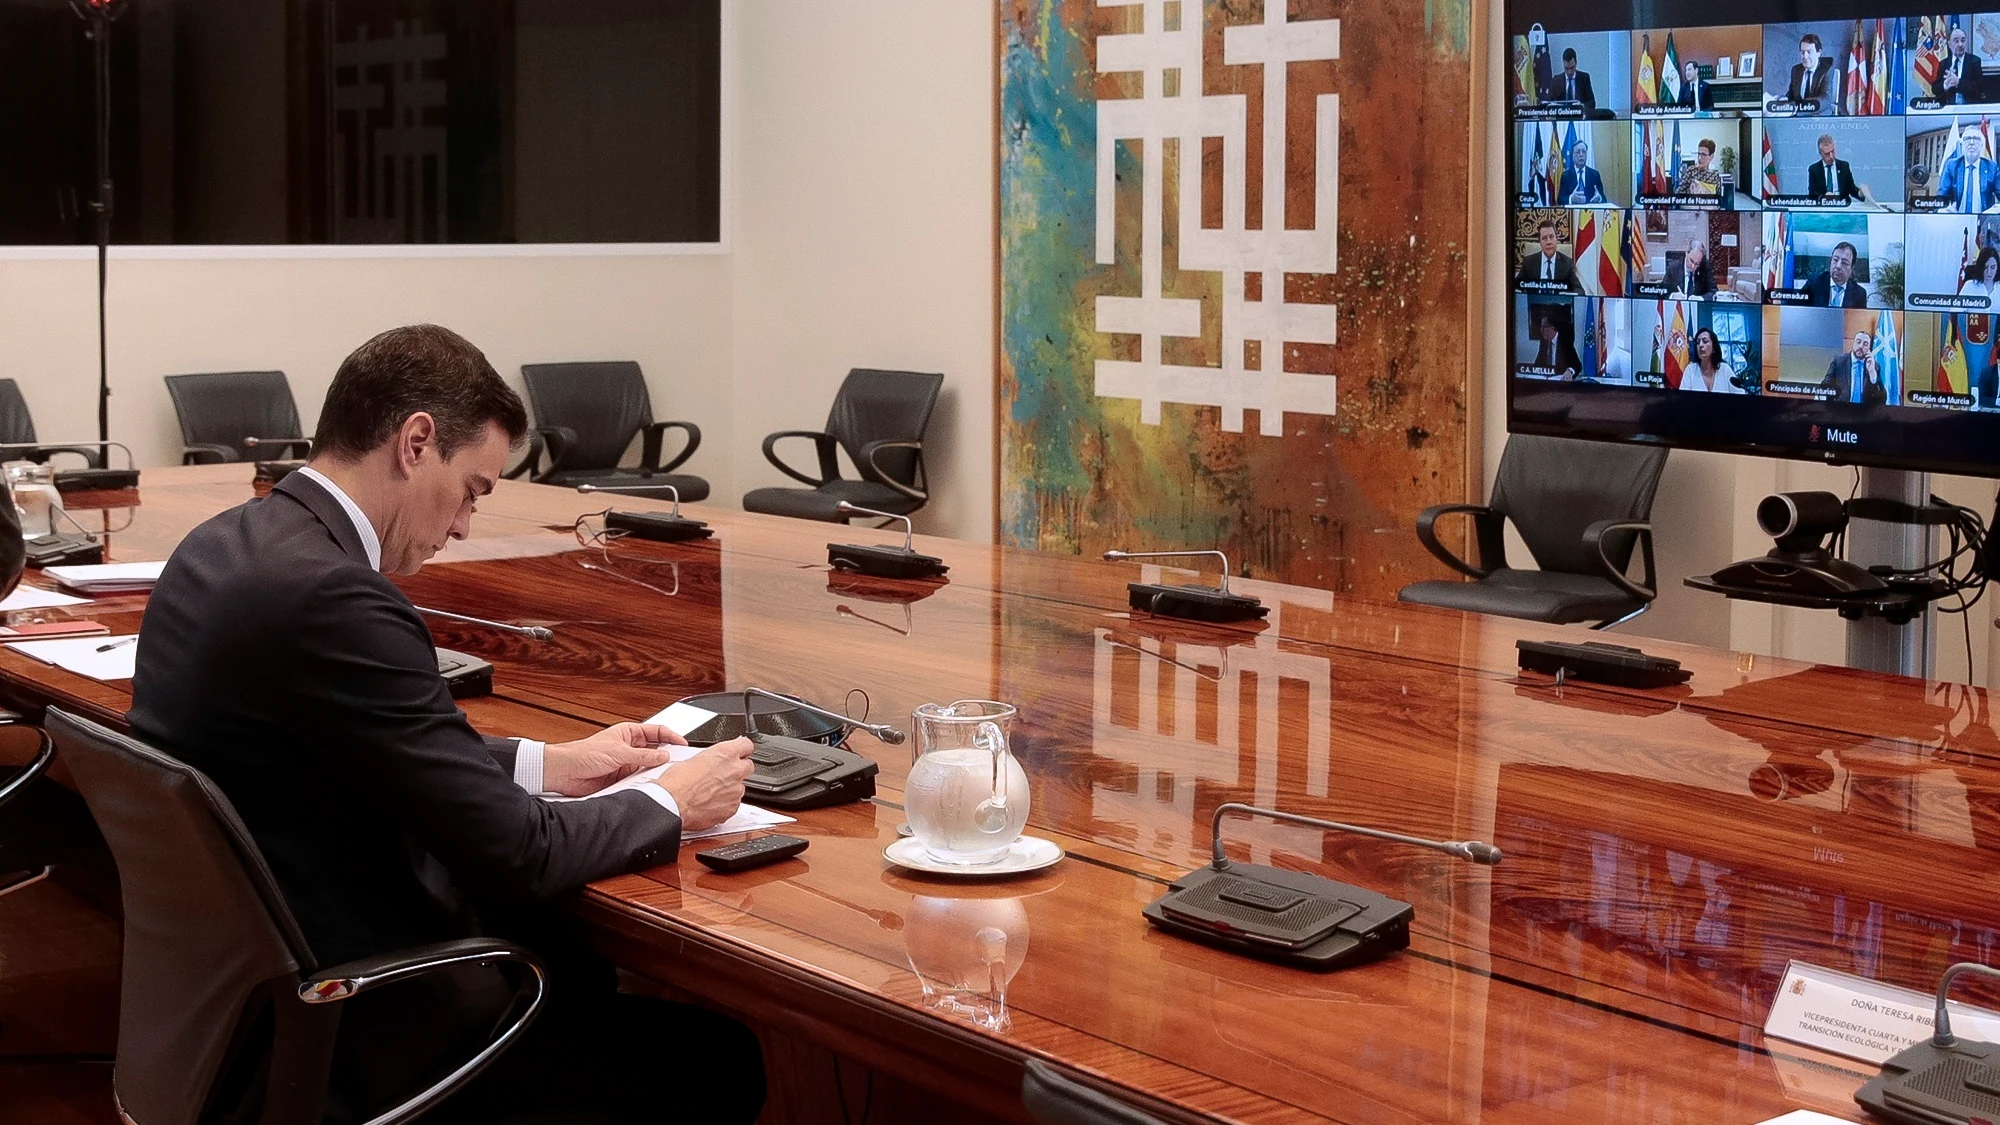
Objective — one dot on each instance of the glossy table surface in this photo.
(1667, 852)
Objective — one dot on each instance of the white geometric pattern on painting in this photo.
(1189, 117)
(388, 152)
(1168, 696)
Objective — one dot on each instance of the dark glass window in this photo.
(368, 121)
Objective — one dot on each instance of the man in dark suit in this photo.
(1552, 351)
(1830, 177)
(279, 660)
(1958, 81)
(1581, 186)
(1971, 182)
(1549, 264)
(1692, 276)
(1834, 286)
(1858, 362)
(1810, 73)
(1695, 94)
(1572, 85)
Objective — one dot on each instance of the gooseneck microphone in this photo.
(1474, 850)
(1946, 1078)
(1222, 585)
(883, 731)
(1192, 603)
(883, 562)
(538, 632)
(909, 529)
(640, 489)
(1941, 1024)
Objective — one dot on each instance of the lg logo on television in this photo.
(1835, 436)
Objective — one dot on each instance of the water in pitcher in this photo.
(948, 798)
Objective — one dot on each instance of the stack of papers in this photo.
(100, 658)
(108, 578)
(34, 597)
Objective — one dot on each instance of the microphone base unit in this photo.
(96, 480)
(1929, 1084)
(792, 774)
(64, 548)
(659, 527)
(1601, 663)
(466, 675)
(1288, 917)
(884, 562)
(1194, 603)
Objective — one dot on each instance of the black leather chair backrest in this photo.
(206, 929)
(16, 424)
(1053, 1098)
(225, 407)
(1554, 488)
(604, 403)
(883, 406)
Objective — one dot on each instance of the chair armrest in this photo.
(530, 461)
(558, 440)
(1594, 542)
(92, 458)
(205, 453)
(44, 754)
(1487, 525)
(338, 982)
(829, 468)
(650, 441)
(304, 445)
(873, 448)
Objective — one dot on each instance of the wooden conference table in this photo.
(1667, 852)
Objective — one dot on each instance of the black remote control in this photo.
(751, 853)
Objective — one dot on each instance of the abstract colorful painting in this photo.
(1233, 275)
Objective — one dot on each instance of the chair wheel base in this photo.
(1194, 603)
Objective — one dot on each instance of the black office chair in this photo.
(17, 432)
(586, 415)
(879, 418)
(25, 857)
(1052, 1098)
(217, 978)
(1581, 506)
(237, 416)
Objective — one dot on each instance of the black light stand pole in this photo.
(99, 14)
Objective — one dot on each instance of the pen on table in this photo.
(117, 643)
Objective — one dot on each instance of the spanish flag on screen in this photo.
(1951, 378)
(1648, 91)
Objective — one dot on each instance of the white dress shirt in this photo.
(531, 759)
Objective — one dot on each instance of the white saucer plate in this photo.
(1029, 853)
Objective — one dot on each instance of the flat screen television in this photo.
(1756, 226)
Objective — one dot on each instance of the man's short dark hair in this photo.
(1853, 255)
(404, 371)
(1569, 54)
(1545, 224)
(1809, 37)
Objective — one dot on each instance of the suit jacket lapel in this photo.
(322, 504)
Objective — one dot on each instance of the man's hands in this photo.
(709, 786)
(580, 768)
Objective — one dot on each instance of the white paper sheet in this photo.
(107, 577)
(34, 597)
(81, 655)
(682, 718)
(1806, 1117)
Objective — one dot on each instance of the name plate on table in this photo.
(1858, 1018)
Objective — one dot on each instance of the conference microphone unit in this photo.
(792, 773)
(660, 527)
(1293, 917)
(882, 562)
(537, 632)
(86, 479)
(1943, 1080)
(1191, 603)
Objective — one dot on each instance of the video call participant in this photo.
(1982, 278)
(1831, 177)
(1834, 287)
(1842, 372)
(1549, 264)
(1958, 81)
(1572, 85)
(1701, 177)
(1810, 73)
(1707, 372)
(1554, 351)
(1581, 185)
(1692, 276)
(1695, 93)
(281, 661)
(1971, 182)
